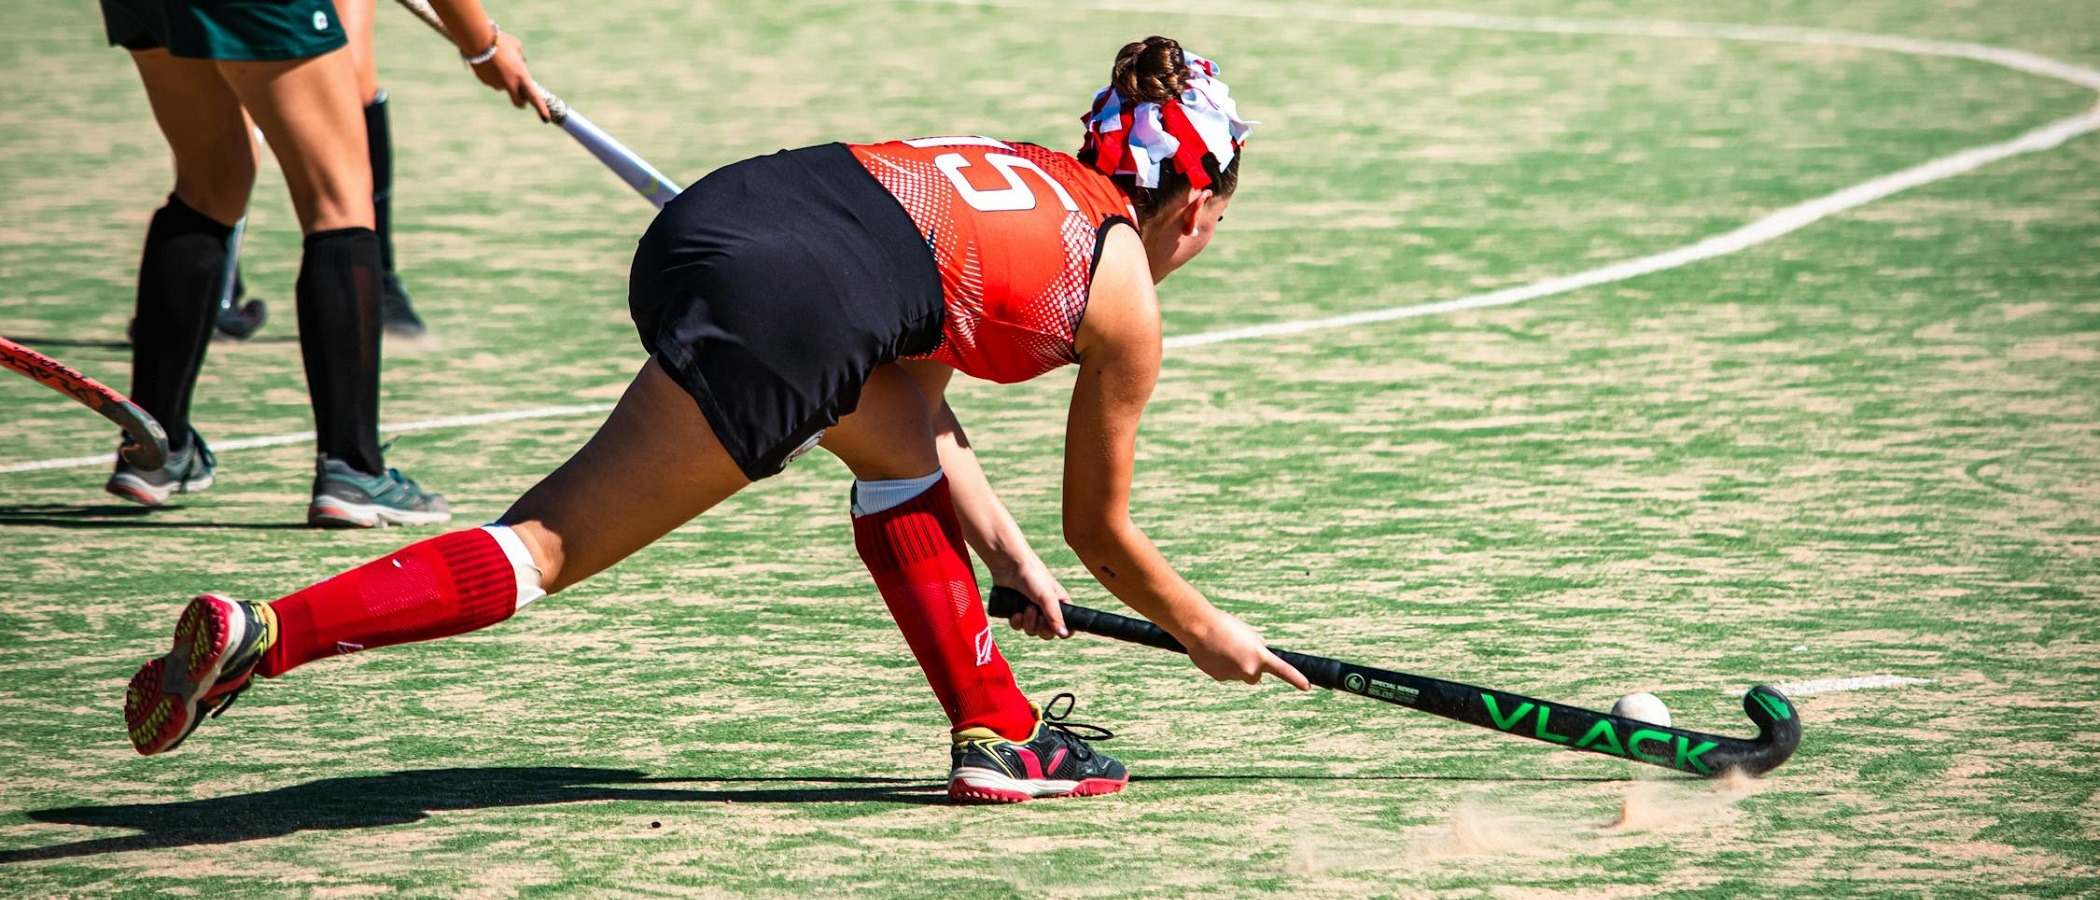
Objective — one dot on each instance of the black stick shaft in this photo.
(1693, 752)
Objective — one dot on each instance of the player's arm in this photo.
(988, 527)
(1119, 358)
(498, 57)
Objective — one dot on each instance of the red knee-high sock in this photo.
(915, 552)
(447, 585)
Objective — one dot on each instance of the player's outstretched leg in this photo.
(652, 466)
(444, 586)
(218, 643)
(907, 531)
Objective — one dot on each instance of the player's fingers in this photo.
(1054, 615)
(1277, 667)
(1024, 622)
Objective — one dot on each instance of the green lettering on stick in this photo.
(1543, 734)
(1633, 745)
(1688, 758)
(1777, 707)
(1495, 712)
(1610, 739)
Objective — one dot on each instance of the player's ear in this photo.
(1190, 215)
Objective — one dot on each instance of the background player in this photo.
(397, 315)
(824, 297)
(284, 63)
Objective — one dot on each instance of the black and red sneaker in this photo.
(218, 643)
(1055, 761)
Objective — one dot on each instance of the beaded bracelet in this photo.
(495, 43)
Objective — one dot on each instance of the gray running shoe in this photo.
(347, 498)
(186, 472)
(396, 314)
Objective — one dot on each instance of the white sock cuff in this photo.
(871, 497)
(521, 563)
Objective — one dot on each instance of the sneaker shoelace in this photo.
(394, 475)
(261, 646)
(1080, 733)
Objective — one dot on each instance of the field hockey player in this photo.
(823, 297)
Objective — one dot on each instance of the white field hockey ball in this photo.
(1642, 707)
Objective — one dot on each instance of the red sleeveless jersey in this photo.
(1015, 229)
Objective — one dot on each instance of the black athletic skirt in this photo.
(772, 288)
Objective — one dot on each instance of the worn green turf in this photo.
(1867, 448)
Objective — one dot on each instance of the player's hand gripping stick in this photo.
(629, 165)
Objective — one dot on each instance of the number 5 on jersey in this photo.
(1016, 196)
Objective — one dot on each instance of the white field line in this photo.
(1816, 686)
(1772, 226)
(1778, 223)
(279, 440)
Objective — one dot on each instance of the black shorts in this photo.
(773, 288)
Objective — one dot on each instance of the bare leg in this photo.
(890, 435)
(206, 132)
(185, 254)
(311, 113)
(652, 466)
(357, 16)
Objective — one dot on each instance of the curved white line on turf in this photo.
(1792, 218)
(1772, 226)
(1784, 221)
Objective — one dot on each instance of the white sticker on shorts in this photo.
(805, 448)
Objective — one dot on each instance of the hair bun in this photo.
(1151, 71)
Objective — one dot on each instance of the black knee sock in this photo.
(178, 301)
(379, 144)
(338, 294)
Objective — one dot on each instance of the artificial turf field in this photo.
(1865, 448)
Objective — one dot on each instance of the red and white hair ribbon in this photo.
(1127, 139)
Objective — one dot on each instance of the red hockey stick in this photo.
(146, 445)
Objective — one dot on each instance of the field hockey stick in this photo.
(630, 166)
(237, 320)
(1572, 727)
(148, 445)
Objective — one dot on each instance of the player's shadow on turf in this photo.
(401, 798)
(68, 515)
